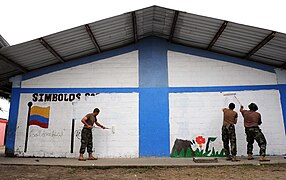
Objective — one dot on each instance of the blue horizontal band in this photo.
(40, 119)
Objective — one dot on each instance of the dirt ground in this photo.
(14, 172)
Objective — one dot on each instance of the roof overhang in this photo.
(246, 42)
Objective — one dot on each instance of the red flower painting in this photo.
(200, 140)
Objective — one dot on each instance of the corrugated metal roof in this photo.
(255, 44)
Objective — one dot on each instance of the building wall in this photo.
(151, 93)
(119, 111)
(199, 114)
(117, 71)
(192, 71)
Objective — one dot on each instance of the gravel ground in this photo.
(276, 171)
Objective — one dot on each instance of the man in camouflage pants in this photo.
(228, 131)
(86, 134)
(252, 120)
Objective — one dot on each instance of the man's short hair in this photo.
(231, 106)
(253, 107)
(96, 110)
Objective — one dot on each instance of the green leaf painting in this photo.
(190, 153)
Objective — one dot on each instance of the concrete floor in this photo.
(131, 162)
(134, 162)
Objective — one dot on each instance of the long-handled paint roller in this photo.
(232, 94)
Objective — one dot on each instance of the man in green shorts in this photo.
(86, 134)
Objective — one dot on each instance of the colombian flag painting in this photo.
(40, 116)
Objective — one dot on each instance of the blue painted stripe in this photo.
(154, 130)
(221, 57)
(79, 90)
(12, 123)
(40, 119)
(80, 61)
(154, 135)
(130, 90)
(222, 88)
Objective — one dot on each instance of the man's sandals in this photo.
(81, 159)
(92, 158)
(263, 159)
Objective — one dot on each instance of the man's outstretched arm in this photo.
(98, 124)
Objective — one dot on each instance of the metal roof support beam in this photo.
(3, 81)
(4, 88)
(88, 30)
(261, 44)
(5, 94)
(13, 64)
(175, 19)
(217, 35)
(49, 48)
(283, 66)
(134, 24)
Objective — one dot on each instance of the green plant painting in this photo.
(199, 152)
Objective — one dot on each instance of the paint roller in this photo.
(112, 128)
(232, 94)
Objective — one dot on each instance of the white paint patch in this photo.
(117, 71)
(193, 114)
(189, 70)
(117, 109)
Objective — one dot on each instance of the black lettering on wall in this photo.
(48, 97)
(55, 97)
(35, 97)
(41, 99)
(60, 97)
(66, 97)
(78, 96)
(71, 97)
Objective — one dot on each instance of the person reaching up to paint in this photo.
(228, 132)
(252, 120)
(86, 134)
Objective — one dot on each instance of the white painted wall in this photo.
(190, 71)
(117, 109)
(117, 71)
(193, 114)
(281, 75)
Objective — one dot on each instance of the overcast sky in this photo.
(24, 20)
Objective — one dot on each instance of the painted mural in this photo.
(49, 124)
(198, 147)
(38, 116)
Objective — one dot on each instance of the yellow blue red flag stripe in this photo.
(40, 116)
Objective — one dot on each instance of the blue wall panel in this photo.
(12, 122)
(153, 98)
(153, 70)
(154, 135)
(282, 90)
